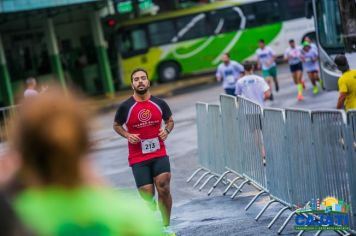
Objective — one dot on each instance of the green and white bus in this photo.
(190, 41)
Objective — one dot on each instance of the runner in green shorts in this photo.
(266, 61)
(271, 72)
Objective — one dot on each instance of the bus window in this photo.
(225, 20)
(329, 23)
(292, 9)
(261, 13)
(190, 27)
(133, 42)
(161, 32)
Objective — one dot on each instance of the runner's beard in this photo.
(141, 92)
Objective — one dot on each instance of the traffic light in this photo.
(111, 22)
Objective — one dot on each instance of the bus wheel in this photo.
(168, 71)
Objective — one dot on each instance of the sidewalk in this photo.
(104, 104)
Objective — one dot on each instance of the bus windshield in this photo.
(336, 21)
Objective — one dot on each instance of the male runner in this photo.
(143, 114)
(252, 86)
(255, 88)
(266, 58)
(229, 72)
(347, 85)
(293, 56)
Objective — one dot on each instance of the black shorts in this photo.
(313, 71)
(145, 171)
(296, 67)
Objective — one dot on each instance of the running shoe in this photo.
(300, 97)
(168, 231)
(315, 89)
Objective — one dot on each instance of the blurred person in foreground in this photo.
(229, 72)
(59, 192)
(293, 56)
(347, 84)
(139, 120)
(10, 223)
(266, 60)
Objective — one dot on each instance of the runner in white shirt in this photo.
(266, 61)
(309, 58)
(255, 88)
(312, 45)
(31, 88)
(229, 72)
(252, 86)
(293, 56)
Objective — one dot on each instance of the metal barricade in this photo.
(251, 139)
(215, 147)
(215, 140)
(202, 129)
(229, 123)
(278, 167)
(351, 121)
(329, 132)
(309, 155)
(273, 150)
(302, 156)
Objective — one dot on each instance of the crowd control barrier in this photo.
(294, 156)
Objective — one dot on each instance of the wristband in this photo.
(167, 130)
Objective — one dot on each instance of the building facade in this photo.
(58, 40)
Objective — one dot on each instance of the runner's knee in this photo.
(163, 188)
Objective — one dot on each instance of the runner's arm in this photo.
(286, 56)
(274, 56)
(163, 134)
(258, 63)
(132, 138)
(266, 89)
(240, 70)
(267, 94)
(341, 100)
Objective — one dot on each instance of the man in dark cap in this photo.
(347, 84)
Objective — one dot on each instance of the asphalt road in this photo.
(194, 213)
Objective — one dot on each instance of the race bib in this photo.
(230, 79)
(150, 145)
(308, 59)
